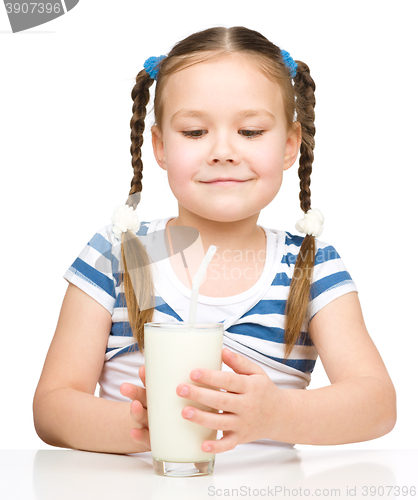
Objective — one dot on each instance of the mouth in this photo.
(225, 182)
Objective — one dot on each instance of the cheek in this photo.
(270, 172)
(272, 184)
(181, 167)
(179, 156)
(270, 165)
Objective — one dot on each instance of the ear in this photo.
(294, 139)
(158, 146)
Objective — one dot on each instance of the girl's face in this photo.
(223, 139)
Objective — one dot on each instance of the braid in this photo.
(140, 95)
(305, 104)
(137, 277)
(299, 293)
(192, 50)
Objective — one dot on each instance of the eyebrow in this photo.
(246, 113)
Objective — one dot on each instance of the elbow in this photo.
(42, 419)
(40, 432)
(387, 426)
(388, 416)
(392, 413)
(39, 420)
(391, 421)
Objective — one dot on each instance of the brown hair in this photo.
(298, 99)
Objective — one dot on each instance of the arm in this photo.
(66, 412)
(359, 405)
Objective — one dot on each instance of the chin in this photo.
(225, 216)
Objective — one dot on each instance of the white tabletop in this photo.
(248, 471)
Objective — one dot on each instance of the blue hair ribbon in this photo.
(289, 62)
(151, 66)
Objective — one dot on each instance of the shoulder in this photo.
(98, 261)
(327, 261)
(330, 277)
(290, 246)
(106, 232)
(105, 242)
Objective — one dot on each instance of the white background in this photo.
(65, 108)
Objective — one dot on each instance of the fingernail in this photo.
(207, 447)
(184, 391)
(189, 413)
(196, 375)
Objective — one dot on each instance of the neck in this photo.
(236, 235)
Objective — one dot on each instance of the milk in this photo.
(172, 351)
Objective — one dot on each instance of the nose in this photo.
(223, 150)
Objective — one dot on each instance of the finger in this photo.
(228, 442)
(142, 374)
(230, 381)
(139, 414)
(240, 364)
(141, 436)
(218, 421)
(134, 393)
(208, 397)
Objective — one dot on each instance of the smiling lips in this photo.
(224, 182)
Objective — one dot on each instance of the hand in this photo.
(250, 404)
(140, 432)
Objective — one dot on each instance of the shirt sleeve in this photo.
(95, 270)
(330, 279)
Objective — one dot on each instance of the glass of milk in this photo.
(172, 351)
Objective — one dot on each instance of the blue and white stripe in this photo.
(257, 331)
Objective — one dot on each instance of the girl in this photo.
(232, 112)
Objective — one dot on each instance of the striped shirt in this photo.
(253, 320)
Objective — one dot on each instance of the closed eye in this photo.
(197, 134)
(251, 133)
(194, 134)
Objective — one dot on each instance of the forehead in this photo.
(226, 85)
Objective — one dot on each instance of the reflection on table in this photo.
(248, 471)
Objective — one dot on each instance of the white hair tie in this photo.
(124, 218)
(312, 223)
